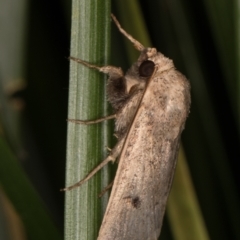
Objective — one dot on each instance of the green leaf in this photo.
(26, 201)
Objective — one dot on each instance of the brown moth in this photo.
(151, 103)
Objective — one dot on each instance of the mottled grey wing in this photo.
(144, 176)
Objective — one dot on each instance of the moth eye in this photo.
(146, 68)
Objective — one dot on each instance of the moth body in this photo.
(150, 122)
(151, 103)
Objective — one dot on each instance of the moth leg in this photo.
(105, 189)
(111, 70)
(112, 157)
(88, 122)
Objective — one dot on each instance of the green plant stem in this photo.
(86, 145)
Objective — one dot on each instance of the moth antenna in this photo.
(136, 43)
(78, 60)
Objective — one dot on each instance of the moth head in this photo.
(161, 63)
(137, 76)
(122, 87)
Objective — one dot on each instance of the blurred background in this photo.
(202, 38)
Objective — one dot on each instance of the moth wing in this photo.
(144, 176)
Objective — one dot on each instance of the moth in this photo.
(151, 103)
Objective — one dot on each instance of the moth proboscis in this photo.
(151, 103)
